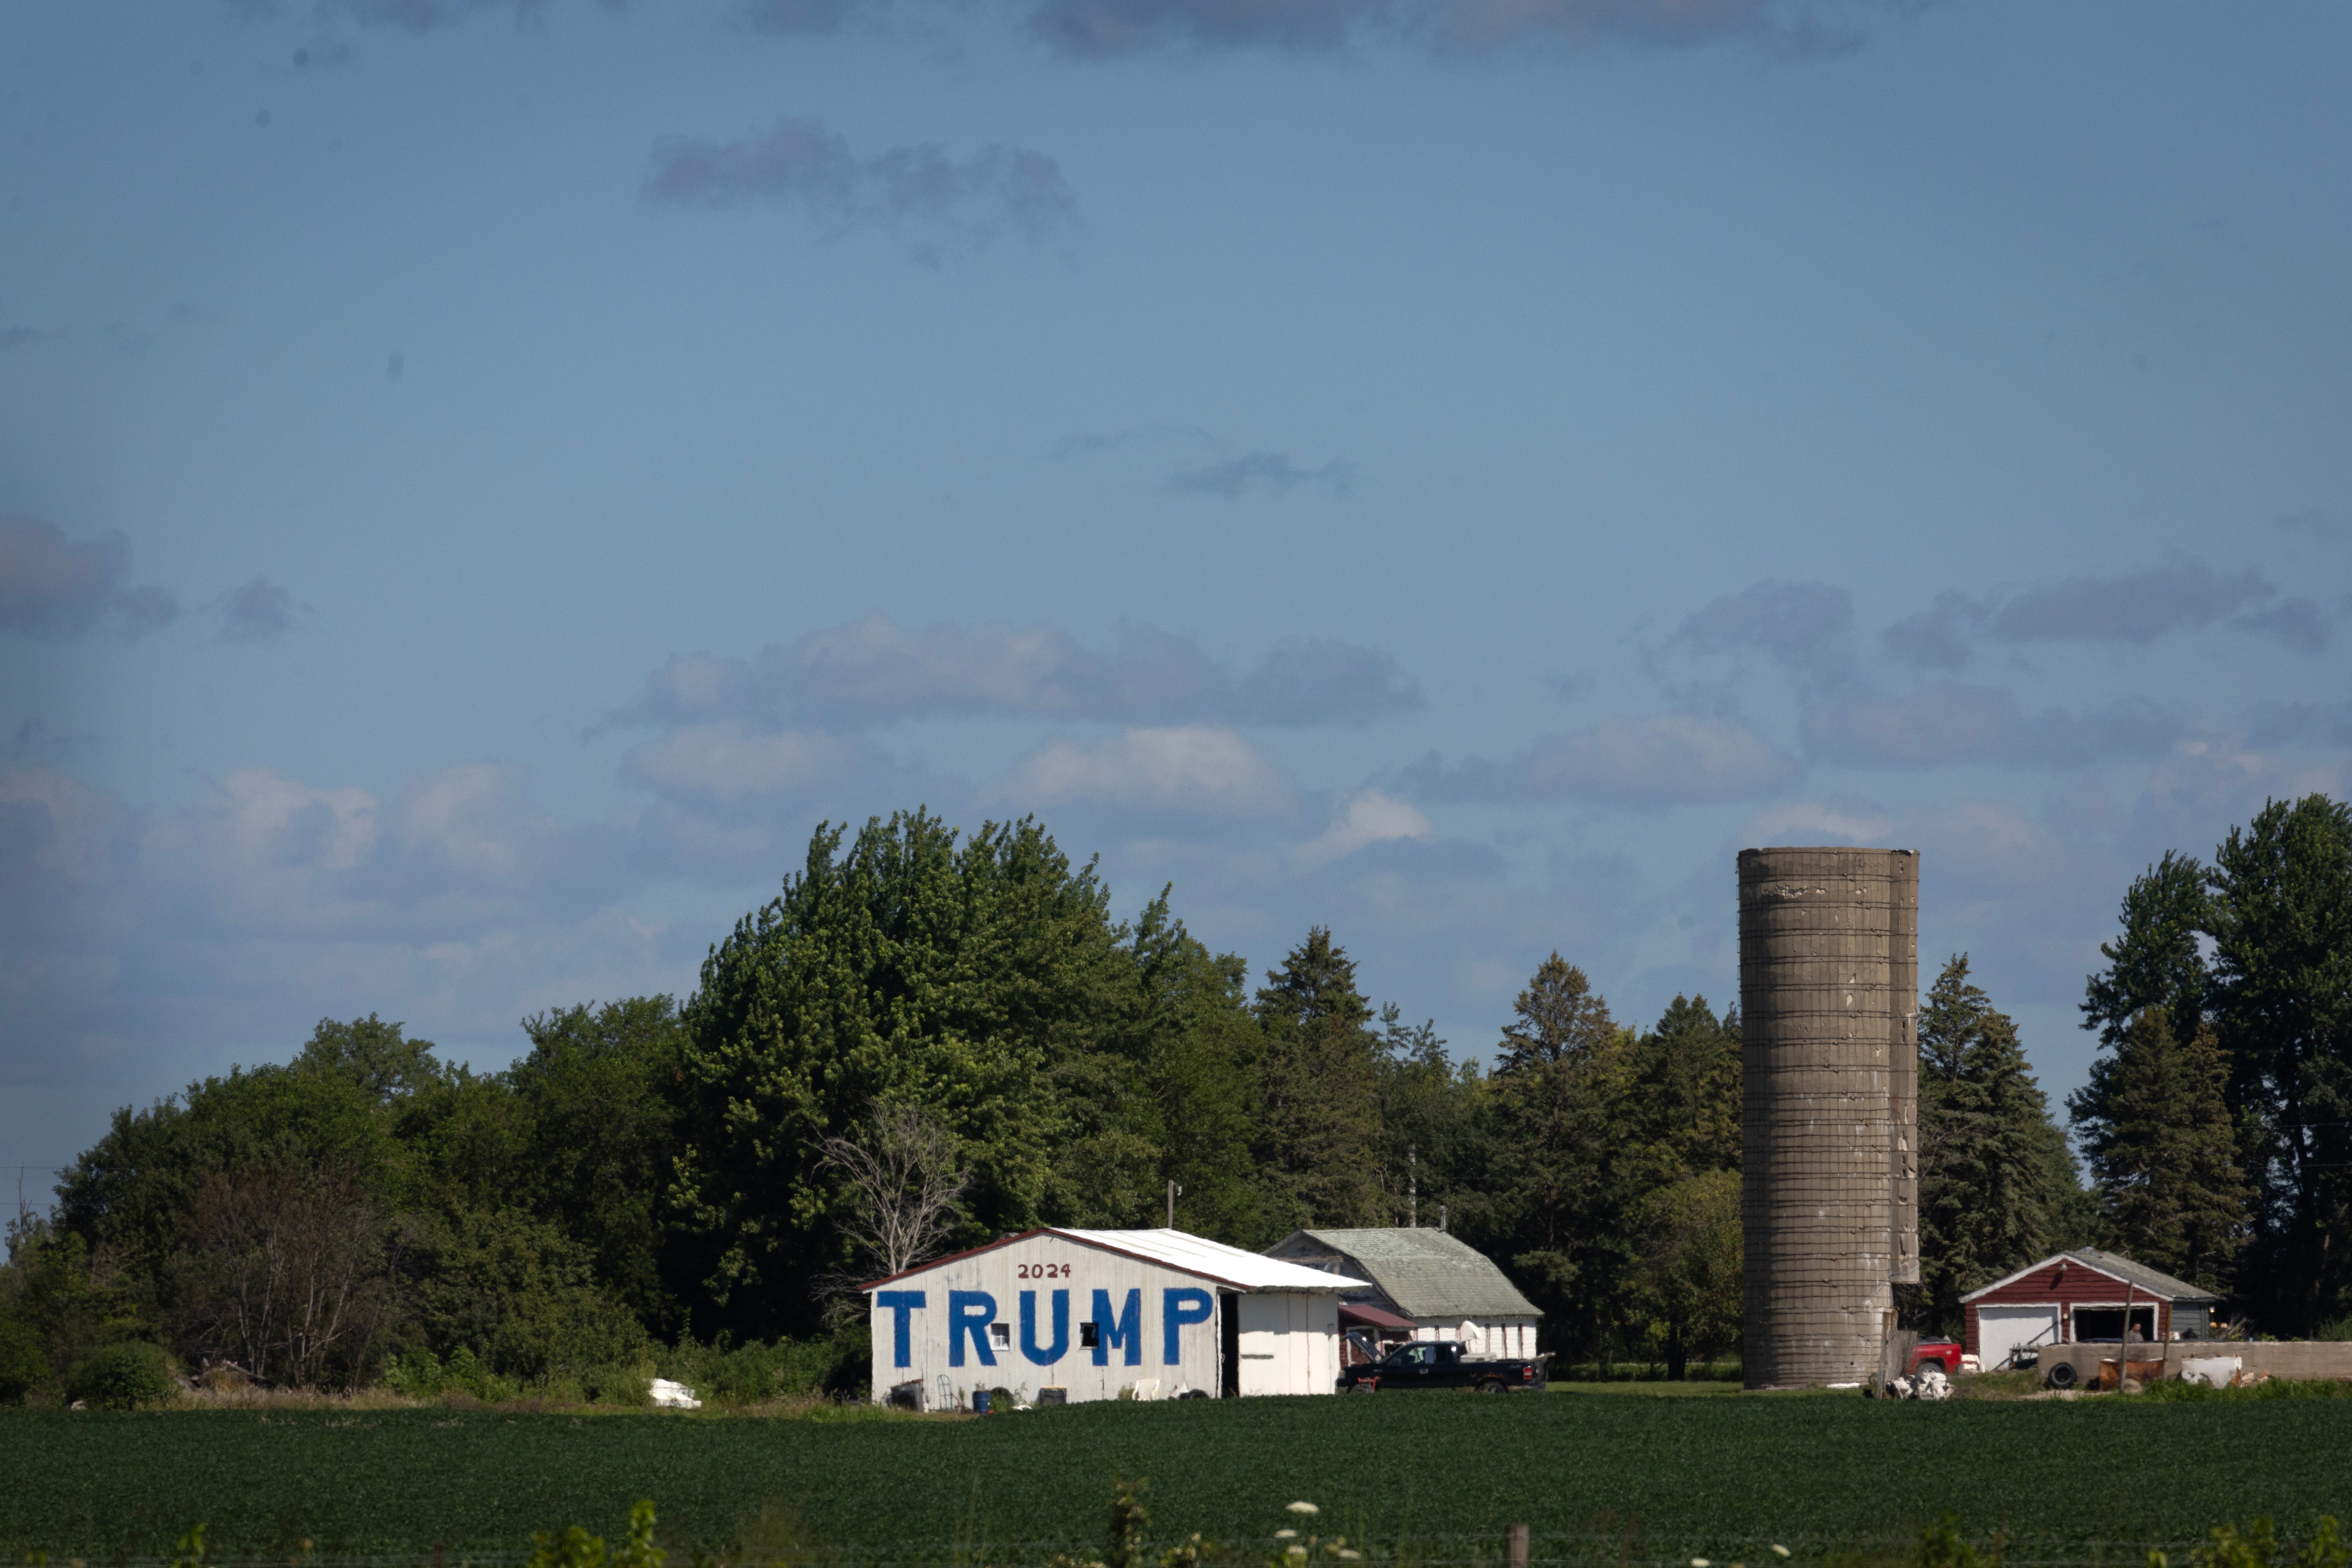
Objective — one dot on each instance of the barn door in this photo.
(2003, 1332)
(1229, 1344)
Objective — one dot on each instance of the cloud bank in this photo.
(53, 587)
(874, 671)
(917, 192)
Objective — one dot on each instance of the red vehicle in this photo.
(1943, 1353)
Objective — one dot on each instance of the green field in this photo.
(1608, 1477)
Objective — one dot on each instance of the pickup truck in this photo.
(1946, 1354)
(1440, 1364)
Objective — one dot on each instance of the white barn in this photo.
(1096, 1313)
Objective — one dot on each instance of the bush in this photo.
(25, 1369)
(124, 1377)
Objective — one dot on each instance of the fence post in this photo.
(1515, 1545)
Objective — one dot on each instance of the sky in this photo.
(480, 481)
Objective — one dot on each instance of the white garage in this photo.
(2003, 1332)
(1094, 1314)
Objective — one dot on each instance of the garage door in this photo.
(2002, 1330)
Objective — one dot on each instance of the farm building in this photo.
(1071, 1315)
(2080, 1295)
(1424, 1285)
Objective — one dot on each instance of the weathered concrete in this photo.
(2279, 1358)
(1829, 1004)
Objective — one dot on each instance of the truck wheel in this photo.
(1364, 1388)
(2061, 1375)
(1492, 1385)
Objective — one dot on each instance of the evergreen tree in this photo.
(2157, 960)
(1435, 1144)
(1992, 1190)
(1687, 1076)
(2282, 1000)
(1558, 1095)
(2156, 1127)
(1316, 1128)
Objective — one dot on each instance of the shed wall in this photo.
(2077, 1285)
(1828, 1001)
(990, 1287)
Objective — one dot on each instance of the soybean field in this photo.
(1428, 1478)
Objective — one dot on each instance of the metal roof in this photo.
(1196, 1255)
(2122, 1269)
(1427, 1273)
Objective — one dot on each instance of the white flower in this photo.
(1303, 1508)
(1285, 1535)
(1779, 1550)
(1698, 1562)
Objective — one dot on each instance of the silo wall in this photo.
(1828, 999)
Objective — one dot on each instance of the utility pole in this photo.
(1174, 1191)
(1412, 1185)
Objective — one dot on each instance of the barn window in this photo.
(1089, 1335)
(1002, 1333)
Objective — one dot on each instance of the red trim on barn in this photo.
(2067, 1283)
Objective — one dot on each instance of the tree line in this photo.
(959, 1023)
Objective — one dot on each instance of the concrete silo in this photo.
(1828, 983)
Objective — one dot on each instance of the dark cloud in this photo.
(1272, 473)
(50, 586)
(1796, 622)
(1937, 638)
(2132, 607)
(1105, 30)
(874, 671)
(402, 15)
(1094, 29)
(2298, 623)
(917, 194)
(26, 337)
(1322, 680)
(260, 609)
(1937, 725)
(1667, 759)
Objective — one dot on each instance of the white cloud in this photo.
(1807, 821)
(1370, 817)
(731, 765)
(1187, 769)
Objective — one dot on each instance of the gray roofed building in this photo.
(1448, 1289)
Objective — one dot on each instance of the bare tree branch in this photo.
(904, 1181)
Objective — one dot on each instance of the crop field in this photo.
(1430, 1479)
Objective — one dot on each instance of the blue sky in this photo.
(479, 481)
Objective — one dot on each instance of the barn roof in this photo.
(1196, 1255)
(1427, 1273)
(2116, 1266)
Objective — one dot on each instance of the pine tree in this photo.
(1561, 1190)
(2156, 1130)
(1317, 1136)
(2281, 1003)
(2157, 960)
(1687, 1075)
(1991, 1194)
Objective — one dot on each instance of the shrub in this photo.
(25, 1369)
(124, 1377)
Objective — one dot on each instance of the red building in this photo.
(2079, 1296)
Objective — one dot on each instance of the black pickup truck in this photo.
(1440, 1364)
